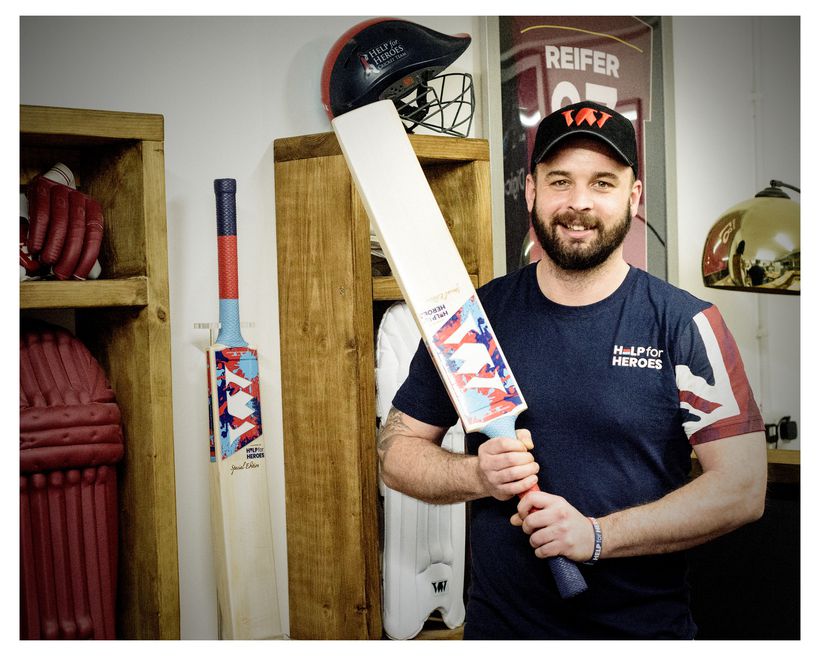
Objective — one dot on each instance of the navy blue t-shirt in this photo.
(617, 392)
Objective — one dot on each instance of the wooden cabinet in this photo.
(124, 319)
(329, 306)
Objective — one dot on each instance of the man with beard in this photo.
(624, 375)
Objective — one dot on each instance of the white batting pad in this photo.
(424, 545)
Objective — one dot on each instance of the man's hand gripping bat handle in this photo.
(567, 576)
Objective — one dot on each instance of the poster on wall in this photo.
(548, 62)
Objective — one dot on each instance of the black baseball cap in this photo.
(587, 119)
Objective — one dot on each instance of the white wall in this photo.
(737, 126)
(229, 86)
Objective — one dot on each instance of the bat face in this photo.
(237, 411)
(436, 286)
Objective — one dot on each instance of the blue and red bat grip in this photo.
(229, 331)
(568, 578)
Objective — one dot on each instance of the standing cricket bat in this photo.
(432, 278)
(247, 600)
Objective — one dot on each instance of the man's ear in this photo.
(635, 197)
(529, 191)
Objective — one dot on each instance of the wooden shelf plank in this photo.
(784, 465)
(441, 634)
(385, 288)
(76, 124)
(427, 147)
(125, 292)
(783, 457)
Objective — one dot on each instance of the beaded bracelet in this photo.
(596, 552)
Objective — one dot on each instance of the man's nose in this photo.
(580, 199)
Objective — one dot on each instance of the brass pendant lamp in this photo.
(755, 245)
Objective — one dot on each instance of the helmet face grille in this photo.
(445, 104)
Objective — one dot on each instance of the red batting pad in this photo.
(70, 440)
(68, 551)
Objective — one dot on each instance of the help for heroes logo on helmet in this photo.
(384, 55)
(388, 58)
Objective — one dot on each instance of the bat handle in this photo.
(568, 578)
(229, 330)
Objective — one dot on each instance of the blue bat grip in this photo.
(568, 578)
(225, 190)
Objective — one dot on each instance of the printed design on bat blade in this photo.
(468, 347)
(237, 382)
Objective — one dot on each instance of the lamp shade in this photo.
(755, 245)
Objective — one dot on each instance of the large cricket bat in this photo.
(247, 600)
(432, 278)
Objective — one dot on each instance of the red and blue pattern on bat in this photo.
(468, 348)
(240, 417)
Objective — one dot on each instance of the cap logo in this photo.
(586, 115)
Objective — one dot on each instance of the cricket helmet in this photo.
(389, 58)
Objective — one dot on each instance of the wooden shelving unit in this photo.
(329, 303)
(124, 319)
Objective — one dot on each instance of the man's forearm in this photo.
(716, 502)
(419, 467)
(682, 519)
